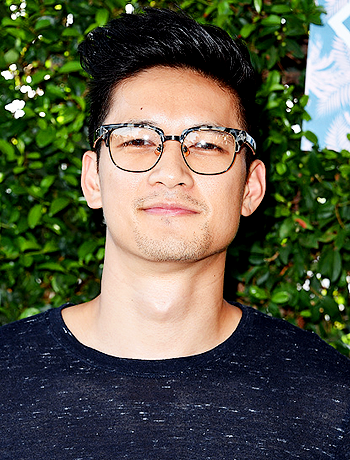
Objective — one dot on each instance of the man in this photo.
(159, 365)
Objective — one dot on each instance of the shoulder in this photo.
(13, 332)
(26, 339)
(276, 340)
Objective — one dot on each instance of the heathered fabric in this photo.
(271, 391)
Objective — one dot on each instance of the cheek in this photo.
(226, 204)
(226, 192)
(118, 191)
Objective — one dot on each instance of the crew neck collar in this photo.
(164, 367)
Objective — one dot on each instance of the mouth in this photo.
(169, 209)
(170, 206)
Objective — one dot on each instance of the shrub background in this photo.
(290, 259)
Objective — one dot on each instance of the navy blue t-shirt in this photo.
(270, 391)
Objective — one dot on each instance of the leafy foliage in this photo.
(292, 258)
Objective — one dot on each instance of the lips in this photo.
(169, 209)
(158, 204)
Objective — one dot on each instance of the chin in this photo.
(172, 248)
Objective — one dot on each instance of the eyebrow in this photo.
(153, 123)
(142, 122)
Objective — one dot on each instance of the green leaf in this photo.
(280, 9)
(280, 198)
(50, 246)
(309, 241)
(337, 266)
(101, 16)
(58, 204)
(280, 297)
(281, 168)
(346, 339)
(34, 155)
(8, 149)
(100, 254)
(30, 311)
(45, 137)
(258, 5)
(27, 244)
(286, 228)
(90, 28)
(311, 137)
(67, 115)
(34, 215)
(42, 24)
(54, 92)
(247, 29)
(53, 266)
(72, 180)
(345, 171)
(71, 32)
(273, 83)
(20, 145)
(284, 254)
(16, 32)
(257, 292)
(7, 22)
(47, 181)
(71, 66)
(36, 165)
(330, 264)
(86, 248)
(26, 260)
(9, 247)
(18, 169)
(329, 306)
(11, 56)
(271, 20)
(38, 76)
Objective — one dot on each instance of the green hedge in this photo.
(291, 258)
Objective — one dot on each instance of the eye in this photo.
(204, 148)
(137, 143)
(208, 143)
(203, 145)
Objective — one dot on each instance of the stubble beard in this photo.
(172, 248)
(172, 244)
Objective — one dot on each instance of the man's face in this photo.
(169, 213)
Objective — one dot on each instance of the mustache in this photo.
(177, 198)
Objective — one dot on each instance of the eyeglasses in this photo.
(207, 150)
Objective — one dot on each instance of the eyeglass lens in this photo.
(205, 151)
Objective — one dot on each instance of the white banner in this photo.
(328, 78)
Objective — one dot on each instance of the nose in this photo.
(171, 170)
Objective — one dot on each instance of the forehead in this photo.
(173, 98)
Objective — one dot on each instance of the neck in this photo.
(156, 310)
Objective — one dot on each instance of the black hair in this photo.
(159, 37)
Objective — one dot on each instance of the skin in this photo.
(168, 229)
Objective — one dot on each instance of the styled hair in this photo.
(160, 37)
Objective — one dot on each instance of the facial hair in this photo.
(174, 246)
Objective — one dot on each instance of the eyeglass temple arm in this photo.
(101, 132)
(245, 138)
(96, 141)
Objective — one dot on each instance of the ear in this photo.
(90, 180)
(254, 190)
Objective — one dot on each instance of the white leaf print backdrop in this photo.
(328, 78)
